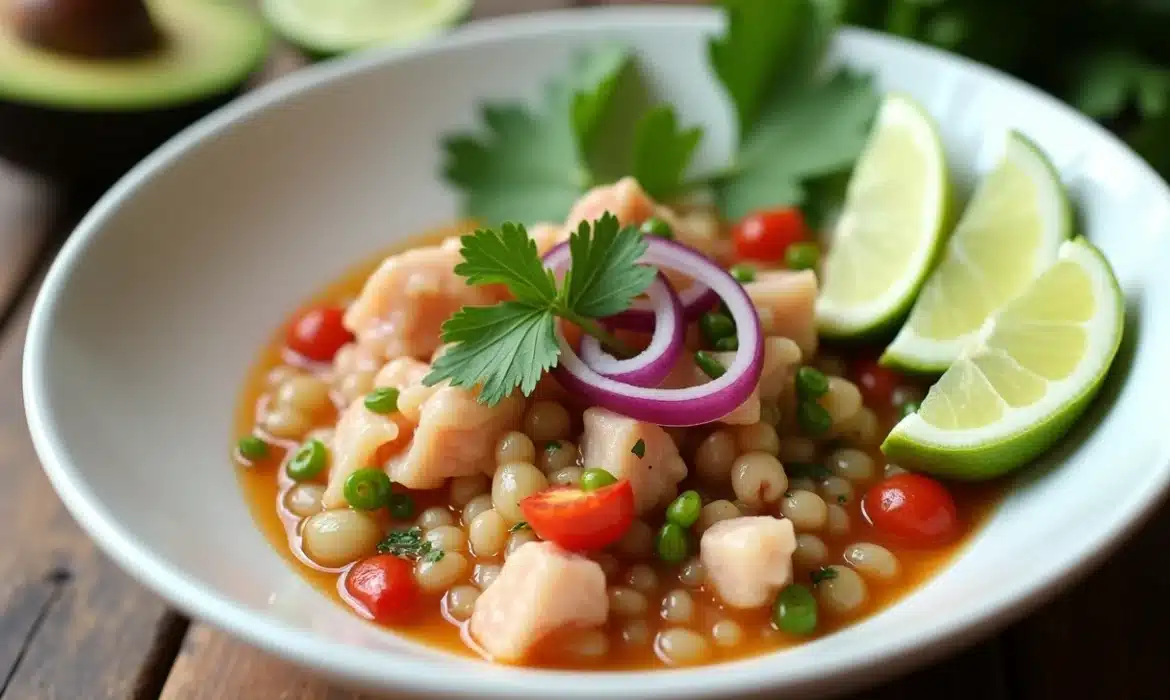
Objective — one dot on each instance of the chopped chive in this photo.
(552, 446)
(252, 448)
(743, 273)
(822, 574)
(802, 256)
(716, 326)
(655, 226)
(811, 383)
(730, 344)
(309, 461)
(813, 418)
(639, 448)
(522, 525)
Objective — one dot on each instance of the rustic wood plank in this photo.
(1104, 638)
(26, 209)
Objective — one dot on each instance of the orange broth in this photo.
(264, 483)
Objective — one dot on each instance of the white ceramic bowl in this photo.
(158, 304)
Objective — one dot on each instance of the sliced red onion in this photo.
(694, 405)
(696, 299)
(649, 367)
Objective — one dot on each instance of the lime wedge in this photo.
(1025, 378)
(328, 27)
(890, 227)
(1009, 234)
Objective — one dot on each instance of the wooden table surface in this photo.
(74, 627)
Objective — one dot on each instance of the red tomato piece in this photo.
(913, 508)
(876, 383)
(581, 520)
(766, 235)
(318, 333)
(385, 585)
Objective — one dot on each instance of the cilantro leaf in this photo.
(504, 346)
(528, 164)
(605, 276)
(815, 131)
(767, 44)
(512, 344)
(508, 257)
(662, 151)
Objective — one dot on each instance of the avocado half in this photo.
(74, 115)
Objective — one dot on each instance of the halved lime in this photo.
(1025, 379)
(1009, 233)
(890, 227)
(328, 27)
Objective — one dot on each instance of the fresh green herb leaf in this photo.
(842, 499)
(552, 446)
(408, 544)
(822, 574)
(529, 164)
(512, 344)
(639, 448)
(504, 346)
(605, 277)
(522, 525)
(820, 128)
(434, 555)
(507, 257)
(767, 43)
(662, 152)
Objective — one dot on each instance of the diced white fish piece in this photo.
(404, 303)
(406, 374)
(540, 589)
(786, 303)
(608, 443)
(359, 435)
(749, 559)
(547, 235)
(455, 436)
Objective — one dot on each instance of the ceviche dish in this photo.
(630, 413)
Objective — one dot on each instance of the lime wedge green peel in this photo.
(891, 226)
(328, 27)
(1029, 374)
(1008, 234)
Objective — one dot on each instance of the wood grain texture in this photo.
(27, 209)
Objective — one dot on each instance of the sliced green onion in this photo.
(655, 226)
(813, 418)
(252, 448)
(811, 383)
(716, 326)
(309, 461)
(727, 344)
(383, 400)
(709, 365)
(671, 544)
(743, 273)
(401, 506)
(802, 256)
(367, 489)
(684, 510)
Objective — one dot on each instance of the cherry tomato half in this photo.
(876, 383)
(318, 333)
(581, 520)
(912, 508)
(385, 585)
(766, 235)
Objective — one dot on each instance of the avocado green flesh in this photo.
(210, 47)
(332, 27)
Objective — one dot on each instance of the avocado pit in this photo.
(87, 28)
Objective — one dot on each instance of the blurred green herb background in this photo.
(1108, 58)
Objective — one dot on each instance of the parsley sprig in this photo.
(409, 544)
(512, 344)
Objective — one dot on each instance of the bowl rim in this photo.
(369, 668)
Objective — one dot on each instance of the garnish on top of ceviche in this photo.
(626, 439)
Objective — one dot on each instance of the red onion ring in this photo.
(649, 367)
(694, 405)
(696, 299)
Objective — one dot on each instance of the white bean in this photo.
(485, 575)
(642, 577)
(546, 420)
(465, 488)
(627, 602)
(677, 607)
(851, 464)
(636, 632)
(872, 561)
(436, 516)
(842, 401)
(477, 505)
(679, 647)
(805, 509)
(714, 457)
(517, 540)
(798, 449)
(304, 393)
(285, 422)
(447, 538)
(834, 489)
(843, 592)
(758, 479)
(488, 534)
(513, 483)
(460, 601)
(558, 455)
(304, 500)
(811, 552)
(569, 476)
(757, 437)
(692, 574)
(727, 633)
(589, 643)
(515, 447)
(433, 576)
(638, 541)
(714, 512)
(837, 522)
(334, 538)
